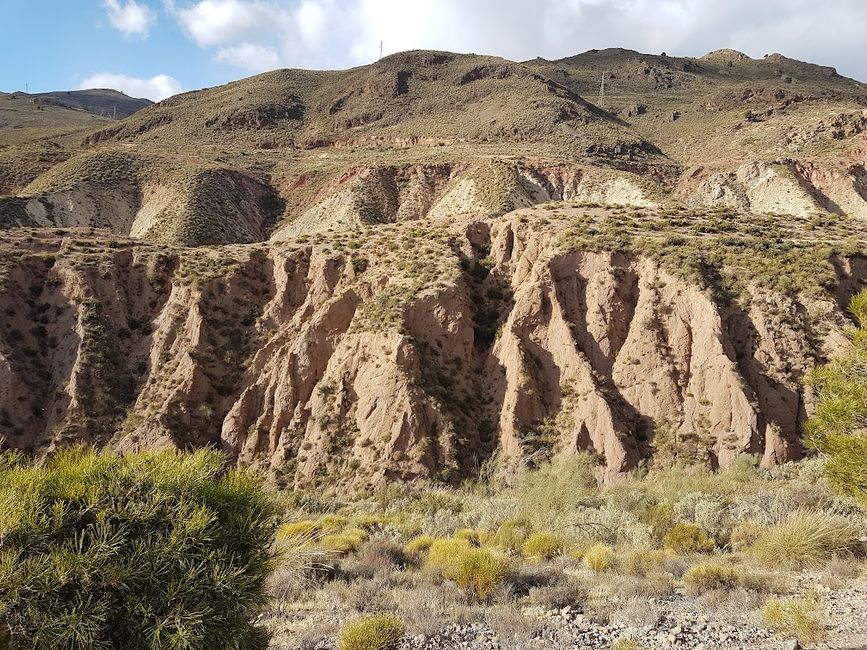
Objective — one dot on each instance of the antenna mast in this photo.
(602, 92)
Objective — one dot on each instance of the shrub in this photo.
(599, 557)
(479, 572)
(688, 538)
(626, 643)
(140, 551)
(542, 546)
(512, 534)
(837, 428)
(807, 539)
(419, 545)
(443, 553)
(708, 576)
(468, 534)
(298, 530)
(343, 543)
(801, 618)
(745, 534)
(640, 562)
(380, 632)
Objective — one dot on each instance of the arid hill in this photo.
(400, 270)
(418, 350)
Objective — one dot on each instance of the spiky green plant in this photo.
(839, 428)
(158, 550)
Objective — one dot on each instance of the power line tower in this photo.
(602, 92)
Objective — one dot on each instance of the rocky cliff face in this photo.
(400, 352)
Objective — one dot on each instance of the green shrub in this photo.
(688, 538)
(599, 557)
(512, 534)
(808, 539)
(801, 618)
(626, 643)
(343, 543)
(837, 428)
(380, 632)
(298, 530)
(472, 536)
(143, 551)
(419, 545)
(542, 546)
(480, 572)
(709, 576)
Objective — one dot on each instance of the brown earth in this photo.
(403, 351)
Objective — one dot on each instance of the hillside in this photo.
(460, 250)
(414, 351)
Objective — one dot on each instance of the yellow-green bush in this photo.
(599, 557)
(419, 545)
(807, 539)
(707, 576)
(512, 534)
(478, 571)
(140, 551)
(688, 538)
(542, 546)
(626, 643)
(442, 553)
(472, 536)
(372, 522)
(332, 523)
(379, 632)
(299, 529)
(802, 618)
(345, 542)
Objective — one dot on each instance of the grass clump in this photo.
(343, 543)
(298, 530)
(161, 550)
(379, 632)
(688, 538)
(419, 545)
(478, 571)
(599, 557)
(512, 533)
(626, 643)
(542, 546)
(808, 539)
(801, 618)
(708, 576)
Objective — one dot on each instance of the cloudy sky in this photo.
(156, 48)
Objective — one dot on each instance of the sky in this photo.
(157, 48)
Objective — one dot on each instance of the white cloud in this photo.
(156, 88)
(255, 58)
(340, 33)
(215, 22)
(131, 18)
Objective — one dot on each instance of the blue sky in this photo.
(155, 48)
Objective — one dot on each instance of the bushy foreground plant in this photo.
(801, 618)
(688, 538)
(839, 427)
(476, 570)
(379, 632)
(145, 551)
(808, 539)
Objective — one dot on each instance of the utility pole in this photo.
(602, 92)
(27, 87)
(380, 49)
(115, 113)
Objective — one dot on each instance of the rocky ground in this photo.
(676, 623)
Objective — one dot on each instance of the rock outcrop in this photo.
(399, 352)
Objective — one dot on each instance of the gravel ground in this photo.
(680, 626)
